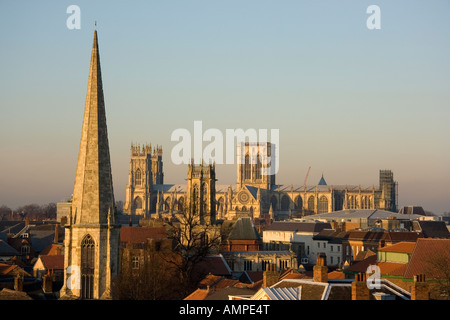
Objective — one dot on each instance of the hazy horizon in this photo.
(348, 101)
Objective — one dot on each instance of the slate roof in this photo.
(296, 226)
(7, 250)
(244, 229)
(362, 214)
(432, 229)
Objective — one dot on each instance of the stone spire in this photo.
(93, 196)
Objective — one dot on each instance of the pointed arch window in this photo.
(247, 168)
(87, 267)
(138, 177)
(311, 203)
(323, 204)
(258, 167)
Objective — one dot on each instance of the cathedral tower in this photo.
(252, 163)
(146, 170)
(92, 234)
(201, 192)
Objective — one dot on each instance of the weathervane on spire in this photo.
(95, 23)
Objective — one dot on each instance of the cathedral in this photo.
(254, 195)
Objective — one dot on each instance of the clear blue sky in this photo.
(348, 101)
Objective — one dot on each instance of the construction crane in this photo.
(306, 178)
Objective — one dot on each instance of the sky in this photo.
(347, 100)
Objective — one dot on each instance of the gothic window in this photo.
(258, 168)
(299, 202)
(273, 202)
(87, 267)
(25, 249)
(167, 204)
(138, 203)
(285, 203)
(138, 177)
(311, 203)
(181, 204)
(195, 195)
(244, 209)
(247, 168)
(323, 204)
(205, 196)
(247, 265)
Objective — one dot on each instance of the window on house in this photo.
(307, 250)
(25, 249)
(247, 265)
(331, 260)
(135, 262)
(331, 248)
(324, 244)
(318, 244)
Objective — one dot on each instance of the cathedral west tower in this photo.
(92, 233)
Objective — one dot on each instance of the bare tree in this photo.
(193, 242)
(437, 267)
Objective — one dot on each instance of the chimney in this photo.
(270, 276)
(47, 283)
(321, 269)
(360, 291)
(420, 289)
(56, 238)
(18, 282)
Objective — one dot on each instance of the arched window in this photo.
(299, 203)
(273, 202)
(87, 267)
(181, 204)
(195, 199)
(311, 205)
(167, 203)
(323, 204)
(247, 168)
(258, 168)
(138, 177)
(138, 203)
(285, 203)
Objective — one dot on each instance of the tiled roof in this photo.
(404, 246)
(430, 257)
(53, 262)
(362, 265)
(199, 294)
(8, 294)
(5, 269)
(336, 275)
(392, 268)
(53, 249)
(141, 234)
